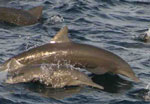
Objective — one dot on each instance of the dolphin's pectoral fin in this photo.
(36, 11)
(61, 36)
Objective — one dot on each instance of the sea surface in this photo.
(108, 24)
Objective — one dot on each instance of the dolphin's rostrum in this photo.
(61, 49)
(20, 17)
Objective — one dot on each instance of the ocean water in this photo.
(109, 24)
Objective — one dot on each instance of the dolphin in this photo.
(62, 50)
(58, 76)
(20, 17)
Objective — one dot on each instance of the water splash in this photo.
(54, 20)
(148, 86)
(144, 36)
(147, 97)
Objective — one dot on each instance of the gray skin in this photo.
(20, 17)
(57, 76)
(62, 50)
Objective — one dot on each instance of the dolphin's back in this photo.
(16, 16)
(80, 55)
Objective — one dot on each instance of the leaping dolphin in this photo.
(57, 76)
(61, 49)
(20, 17)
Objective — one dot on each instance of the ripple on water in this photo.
(110, 24)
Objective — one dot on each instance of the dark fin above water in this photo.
(36, 11)
(61, 36)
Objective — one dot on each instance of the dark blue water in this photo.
(110, 24)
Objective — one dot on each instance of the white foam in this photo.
(148, 86)
(147, 97)
(148, 32)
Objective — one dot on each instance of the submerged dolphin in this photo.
(20, 17)
(57, 76)
(143, 94)
(62, 50)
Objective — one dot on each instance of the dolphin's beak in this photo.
(97, 86)
(130, 75)
(92, 84)
(133, 77)
(136, 79)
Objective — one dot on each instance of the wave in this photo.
(137, 1)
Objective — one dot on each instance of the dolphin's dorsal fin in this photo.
(61, 36)
(36, 11)
(14, 64)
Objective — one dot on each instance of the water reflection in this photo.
(56, 93)
(112, 83)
